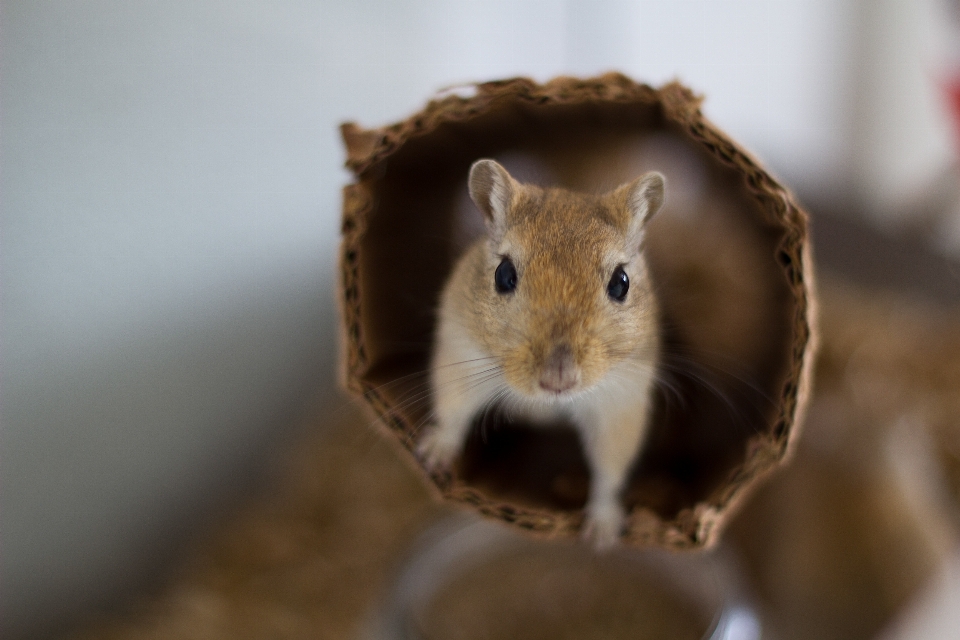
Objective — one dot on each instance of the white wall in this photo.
(903, 139)
(169, 187)
(774, 73)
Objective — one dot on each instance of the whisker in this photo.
(471, 380)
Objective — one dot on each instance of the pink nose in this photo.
(560, 371)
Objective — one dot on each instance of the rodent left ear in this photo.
(643, 199)
(645, 195)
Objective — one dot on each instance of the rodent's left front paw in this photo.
(603, 526)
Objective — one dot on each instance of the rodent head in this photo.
(561, 283)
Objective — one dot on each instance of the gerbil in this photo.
(552, 315)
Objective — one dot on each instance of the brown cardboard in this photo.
(736, 285)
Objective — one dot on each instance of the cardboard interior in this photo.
(729, 259)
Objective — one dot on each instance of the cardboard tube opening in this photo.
(730, 263)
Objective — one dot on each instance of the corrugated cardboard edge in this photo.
(699, 526)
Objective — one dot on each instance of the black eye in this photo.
(505, 279)
(618, 285)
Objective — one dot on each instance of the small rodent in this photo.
(552, 315)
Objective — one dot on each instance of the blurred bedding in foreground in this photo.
(857, 538)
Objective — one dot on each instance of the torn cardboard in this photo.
(729, 255)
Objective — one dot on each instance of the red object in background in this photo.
(951, 87)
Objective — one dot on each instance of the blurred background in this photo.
(170, 178)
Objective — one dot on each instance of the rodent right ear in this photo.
(492, 188)
(643, 198)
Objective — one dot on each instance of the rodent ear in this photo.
(643, 199)
(492, 188)
(645, 195)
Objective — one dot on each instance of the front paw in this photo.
(603, 526)
(437, 450)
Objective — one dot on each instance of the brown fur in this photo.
(561, 243)
(557, 347)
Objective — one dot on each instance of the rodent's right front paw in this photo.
(603, 526)
(437, 450)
